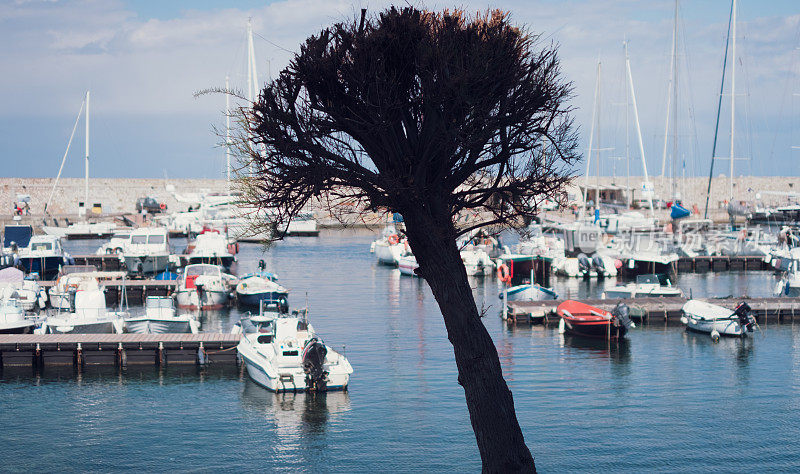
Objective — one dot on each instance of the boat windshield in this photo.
(155, 239)
(139, 239)
(202, 270)
(249, 326)
(648, 279)
(37, 246)
(156, 302)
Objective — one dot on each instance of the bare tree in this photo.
(434, 116)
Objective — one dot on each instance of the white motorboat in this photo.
(538, 242)
(408, 265)
(477, 261)
(390, 247)
(202, 286)
(147, 251)
(716, 320)
(213, 247)
(71, 278)
(646, 286)
(261, 289)
(27, 292)
(88, 313)
(12, 316)
(82, 230)
(285, 354)
(598, 266)
(160, 318)
(43, 255)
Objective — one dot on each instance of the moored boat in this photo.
(261, 289)
(285, 354)
(160, 318)
(701, 316)
(202, 286)
(88, 313)
(646, 286)
(583, 320)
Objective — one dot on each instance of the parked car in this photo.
(150, 205)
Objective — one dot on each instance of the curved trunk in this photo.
(489, 401)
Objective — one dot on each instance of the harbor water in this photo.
(666, 400)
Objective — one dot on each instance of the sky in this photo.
(144, 61)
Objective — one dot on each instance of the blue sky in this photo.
(144, 60)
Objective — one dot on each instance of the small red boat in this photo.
(584, 320)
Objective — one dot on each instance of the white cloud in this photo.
(53, 51)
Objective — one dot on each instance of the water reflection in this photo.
(295, 413)
(616, 350)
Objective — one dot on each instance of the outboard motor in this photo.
(71, 292)
(622, 316)
(200, 290)
(742, 312)
(599, 266)
(584, 265)
(283, 305)
(313, 359)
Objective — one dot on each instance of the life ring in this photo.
(162, 206)
(503, 273)
(393, 239)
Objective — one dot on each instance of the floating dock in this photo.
(766, 310)
(722, 263)
(121, 350)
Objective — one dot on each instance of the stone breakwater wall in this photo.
(116, 195)
(119, 195)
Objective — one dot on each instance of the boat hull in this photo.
(69, 327)
(723, 327)
(146, 264)
(192, 299)
(272, 300)
(601, 330)
(388, 254)
(293, 380)
(46, 267)
(528, 293)
(22, 327)
(157, 326)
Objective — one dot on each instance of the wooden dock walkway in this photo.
(36, 350)
(766, 310)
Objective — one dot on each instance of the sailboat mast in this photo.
(719, 110)
(86, 163)
(639, 132)
(733, 93)
(667, 120)
(591, 141)
(627, 137)
(228, 133)
(252, 74)
(675, 101)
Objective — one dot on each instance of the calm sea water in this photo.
(665, 401)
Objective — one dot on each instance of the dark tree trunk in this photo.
(491, 406)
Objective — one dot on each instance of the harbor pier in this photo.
(79, 350)
(765, 310)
